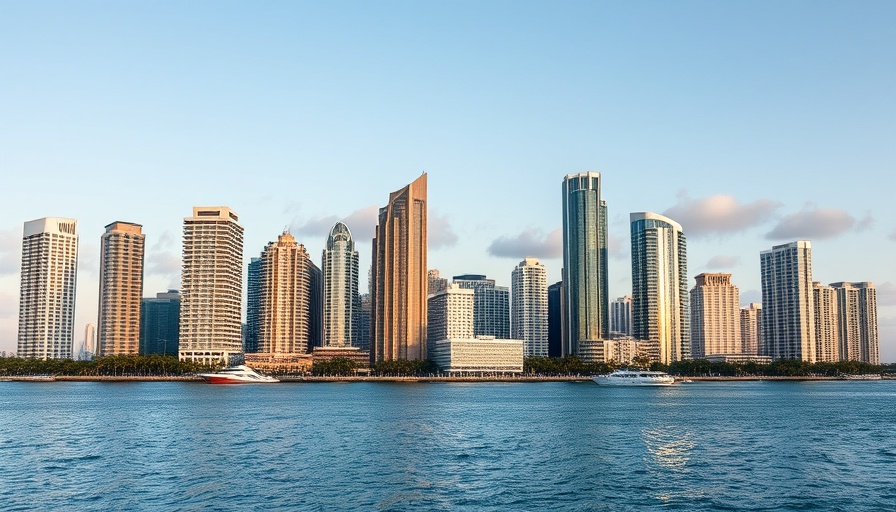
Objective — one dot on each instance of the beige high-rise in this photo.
(715, 316)
(121, 289)
(826, 323)
(287, 298)
(751, 328)
(859, 339)
(399, 276)
(211, 286)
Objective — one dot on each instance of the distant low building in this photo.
(483, 354)
(360, 357)
(738, 358)
(285, 363)
(621, 350)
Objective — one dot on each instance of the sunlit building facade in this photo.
(659, 285)
(859, 339)
(827, 349)
(529, 307)
(751, 328)
(47, 292)
(339, 265)
(715, 316)
(788, 309)
(121, 289)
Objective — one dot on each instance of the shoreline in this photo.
(313, 379)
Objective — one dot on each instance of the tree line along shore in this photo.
(157, 367)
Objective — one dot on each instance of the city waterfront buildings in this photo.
(436, 283)
(450, 314)
(750, 328)
(788, 309)
(585, 255)
(491, 305)
(529, 307)
(160, 324)
(715, 316)
(827, 349)
(253, 296)
(621, 317)
(399, 276)
(480, 355)
(121, 289)
(211, 286)
(288, 299)
(339, 265)
(859, 339)
(659, 285)
(49, 275)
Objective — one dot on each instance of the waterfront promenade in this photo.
(359, 378)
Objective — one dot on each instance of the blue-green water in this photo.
(437, 446)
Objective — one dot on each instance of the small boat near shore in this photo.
(634, 378)
(240, 374)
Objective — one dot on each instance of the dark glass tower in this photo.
(585, 284)
(253, 291)
(160, 324)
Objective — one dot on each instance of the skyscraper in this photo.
(751, 328)
(788, 311)
(364, 321)
(659, 285)
(529, 307)
(399, 276)
(824, 302)
(287, 300)
(47, 292)
(858, 338)
(121, 289)
(340, 284)
(491, 305)
(211, 285)
(450, 314)
(88, 348)
(585, 284)
(436, 283)
(160, 324)
(253, 295)
(715, 316)
(621, 316)
(555, 320)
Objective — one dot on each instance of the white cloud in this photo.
(439, 232)
(361, 223)
(722, 261)
(719, 214)
(813, 223)
(530, 242)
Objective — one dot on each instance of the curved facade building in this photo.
(585, 288)
(340, 288)
(660, 286)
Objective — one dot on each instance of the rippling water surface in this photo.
(483, 446)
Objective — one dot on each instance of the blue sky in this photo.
(750, 123)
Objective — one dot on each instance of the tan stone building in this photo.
(827, 349)
(121, 289)
(715, 316)
(399, 276)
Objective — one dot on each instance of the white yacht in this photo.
(634, 378)
(241, 374)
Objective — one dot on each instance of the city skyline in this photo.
(737, 137)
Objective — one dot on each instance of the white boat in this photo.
(634, 378)
(241, 374)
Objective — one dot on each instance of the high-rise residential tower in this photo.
(121, 289)
(287, 301)
(788, 310)
(858, 338)
(824, 300)
(436, 283)
(47, 292)
(253, 295)
(160, 324)
(621, 316)
(715, 316)
(399, 276)
(491, 305)
(450, 314)
(340, 284)
(585, 284)
(751, 328)
(659, 285)
(88, 348)
(529, 307)
(555, 320)
(211, 286)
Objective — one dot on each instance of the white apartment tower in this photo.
(211, 285)
(450, 314)
(827, 349)
(47, 292)
(715, 316)
(788, 314)
(751, 328)
(529, 307)
(857, 315)
(339, 265)
(121, 289)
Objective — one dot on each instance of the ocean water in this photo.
(444, 446)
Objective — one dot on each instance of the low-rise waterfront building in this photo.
(480, 355)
